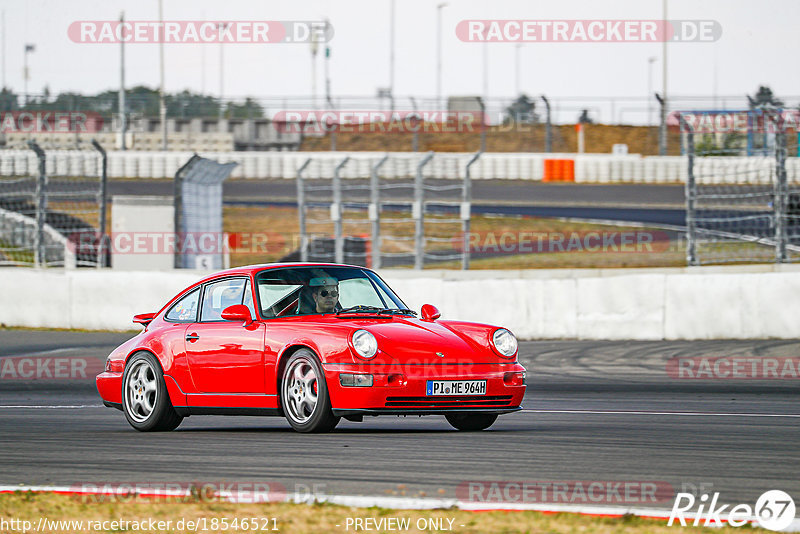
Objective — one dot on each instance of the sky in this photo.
(757, 46)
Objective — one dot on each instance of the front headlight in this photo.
(365, 344)
(504, 342)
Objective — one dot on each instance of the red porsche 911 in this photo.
(313, 343)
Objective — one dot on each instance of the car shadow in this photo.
(342, 431)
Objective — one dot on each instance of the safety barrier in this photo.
(586, 168)
(678, 303)
(559, 170)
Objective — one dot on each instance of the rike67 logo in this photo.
(774, 510)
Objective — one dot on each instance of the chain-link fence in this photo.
(53, 210)
(790, 209)
(401, 216)
(198, 211)
(743, 193)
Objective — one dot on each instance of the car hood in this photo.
(412, 340)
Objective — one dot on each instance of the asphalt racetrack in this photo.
(594, 411)
(660, 205)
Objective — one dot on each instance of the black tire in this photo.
(471, 422)
(136, 398)
(297, 394)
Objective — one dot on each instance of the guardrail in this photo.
(589, 168)
(20, 232)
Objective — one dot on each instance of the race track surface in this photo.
(486, 191)
(595, 411)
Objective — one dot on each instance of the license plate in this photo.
(456, 387)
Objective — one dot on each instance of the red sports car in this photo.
(313, 343)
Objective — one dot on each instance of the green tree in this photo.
(522, 111)
(8, 100)
(764, 98)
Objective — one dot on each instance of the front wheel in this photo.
(471, 422)
(145, 400)
(304, 394)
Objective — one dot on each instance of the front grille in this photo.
(449, 402)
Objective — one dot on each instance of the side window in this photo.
(248, 300)
(185, 310)
(220, 295)
(278, 297)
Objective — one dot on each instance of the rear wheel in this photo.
(304, 394)
(145, 400)
(471, 422)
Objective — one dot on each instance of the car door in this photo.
(225, 356)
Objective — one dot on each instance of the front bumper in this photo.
(403, 391)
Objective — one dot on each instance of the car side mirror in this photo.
(237, 312)
(429, 312)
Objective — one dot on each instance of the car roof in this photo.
(250, 269)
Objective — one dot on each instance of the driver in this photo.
(325, 292)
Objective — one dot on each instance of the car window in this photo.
(219, 295)
(248, 299)
(277, 295)
(185, 310)
(323, 289)
(359, 291)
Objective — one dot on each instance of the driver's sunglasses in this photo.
(332, 292)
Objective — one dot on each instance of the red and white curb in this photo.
(395, 503)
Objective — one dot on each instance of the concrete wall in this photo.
(685, 303)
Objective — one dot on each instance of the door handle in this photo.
(192, 337)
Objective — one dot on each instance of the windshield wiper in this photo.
(360, 309)
(376, 310)
(398, 311)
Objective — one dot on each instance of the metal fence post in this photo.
(336, 212)
(418, 213)
(101, 246)
(691, 196)
(39, 257)
(548, 135)
(375, 212)
(301, 210)
(662, 129)
(417, 121)
(466, 209)
(482, 104)
(781, 193)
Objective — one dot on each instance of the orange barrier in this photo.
(559, 170)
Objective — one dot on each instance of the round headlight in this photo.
(504, 342)
(365, 344)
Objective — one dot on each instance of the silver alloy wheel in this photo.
(141, 391)
(300, 390)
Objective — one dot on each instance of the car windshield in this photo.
(290, 291)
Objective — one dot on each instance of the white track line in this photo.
(684, 414)
(55, 407)
(397, 503)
